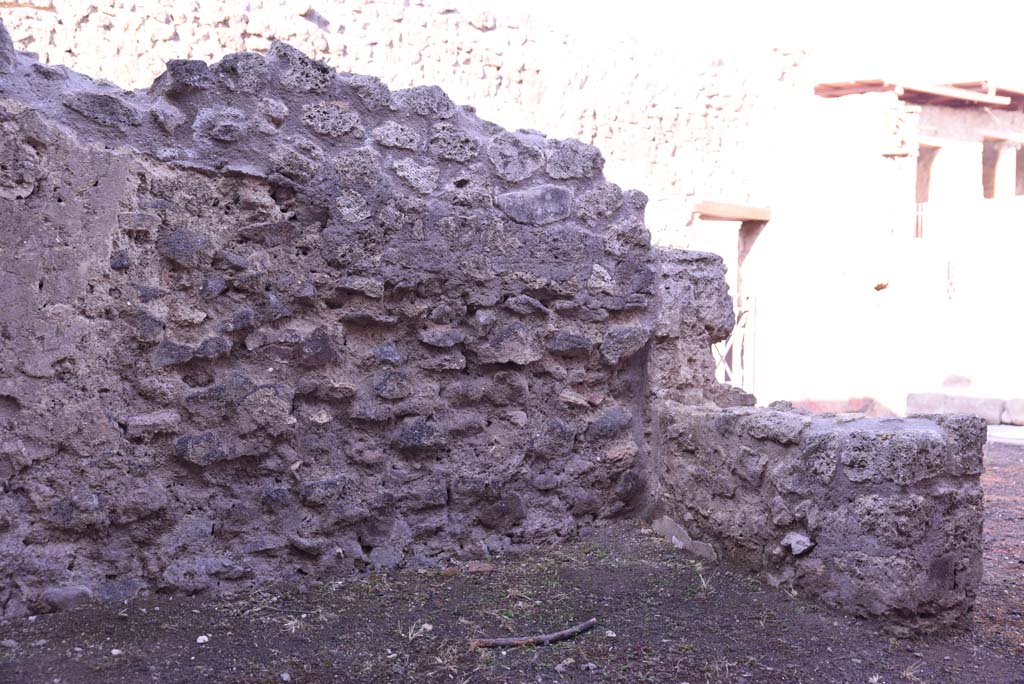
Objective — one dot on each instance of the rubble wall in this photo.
(264, 322)
(268, 321)
(874, 517)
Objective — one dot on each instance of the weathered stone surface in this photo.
(286, 299)
(510, 343)
(426, 101)
(223, 124)
(525, 305)
(797, 543)
(169, 353)
(540, 205)
(331, 119)
(394, 134)
(352, 207)
(452, 144)
(104, 109)
(775, 426)
(182, 77)
(503, 514)
(203, 449)
(599, 203)
(245, 72)
(421, 178)
(318, 349)
(680, 538)
(844, 496)
(274, 111)
(552, 439)
(66, 597)
(570, 344)
(297, 158)
(610, 423)
(301, 74)
(623, 341)
(417, 435)
(186, 248)
(442, 338)
(371, 91)
(898, 521)
(514, 156)
(149, 424)
(572, 159)
(168, 117)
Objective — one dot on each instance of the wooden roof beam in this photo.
(954, 93)
(839, 89)
(724, 211)
(992, 88)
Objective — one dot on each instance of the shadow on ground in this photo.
(662, 618)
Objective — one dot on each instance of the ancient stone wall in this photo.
(264, 321)
(877, 517)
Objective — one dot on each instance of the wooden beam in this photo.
(1002, 88)
(723, 211)
(973, 92)
(1008, 136)
(992, 88)
(953, 93)
(979, 86)
(840, 89)
(836, 91)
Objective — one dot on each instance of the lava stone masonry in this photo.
(266, 322)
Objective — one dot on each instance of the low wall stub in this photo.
(874, 517)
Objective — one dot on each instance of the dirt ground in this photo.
(661, 618)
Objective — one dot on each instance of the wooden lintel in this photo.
(932, 141)
(1008, 136)
(723, 211)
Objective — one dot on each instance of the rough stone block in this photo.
(104, 109)
(540, 205)
(393, 134)
(452, 144)
(514, 156)
(331, 119)
(680, 538)
(223, 124)
(245, 72)
(301, 74)
(874, 517)
(566, 159)
(149, 424)
(623, 341)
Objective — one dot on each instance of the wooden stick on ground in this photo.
(539, 640)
